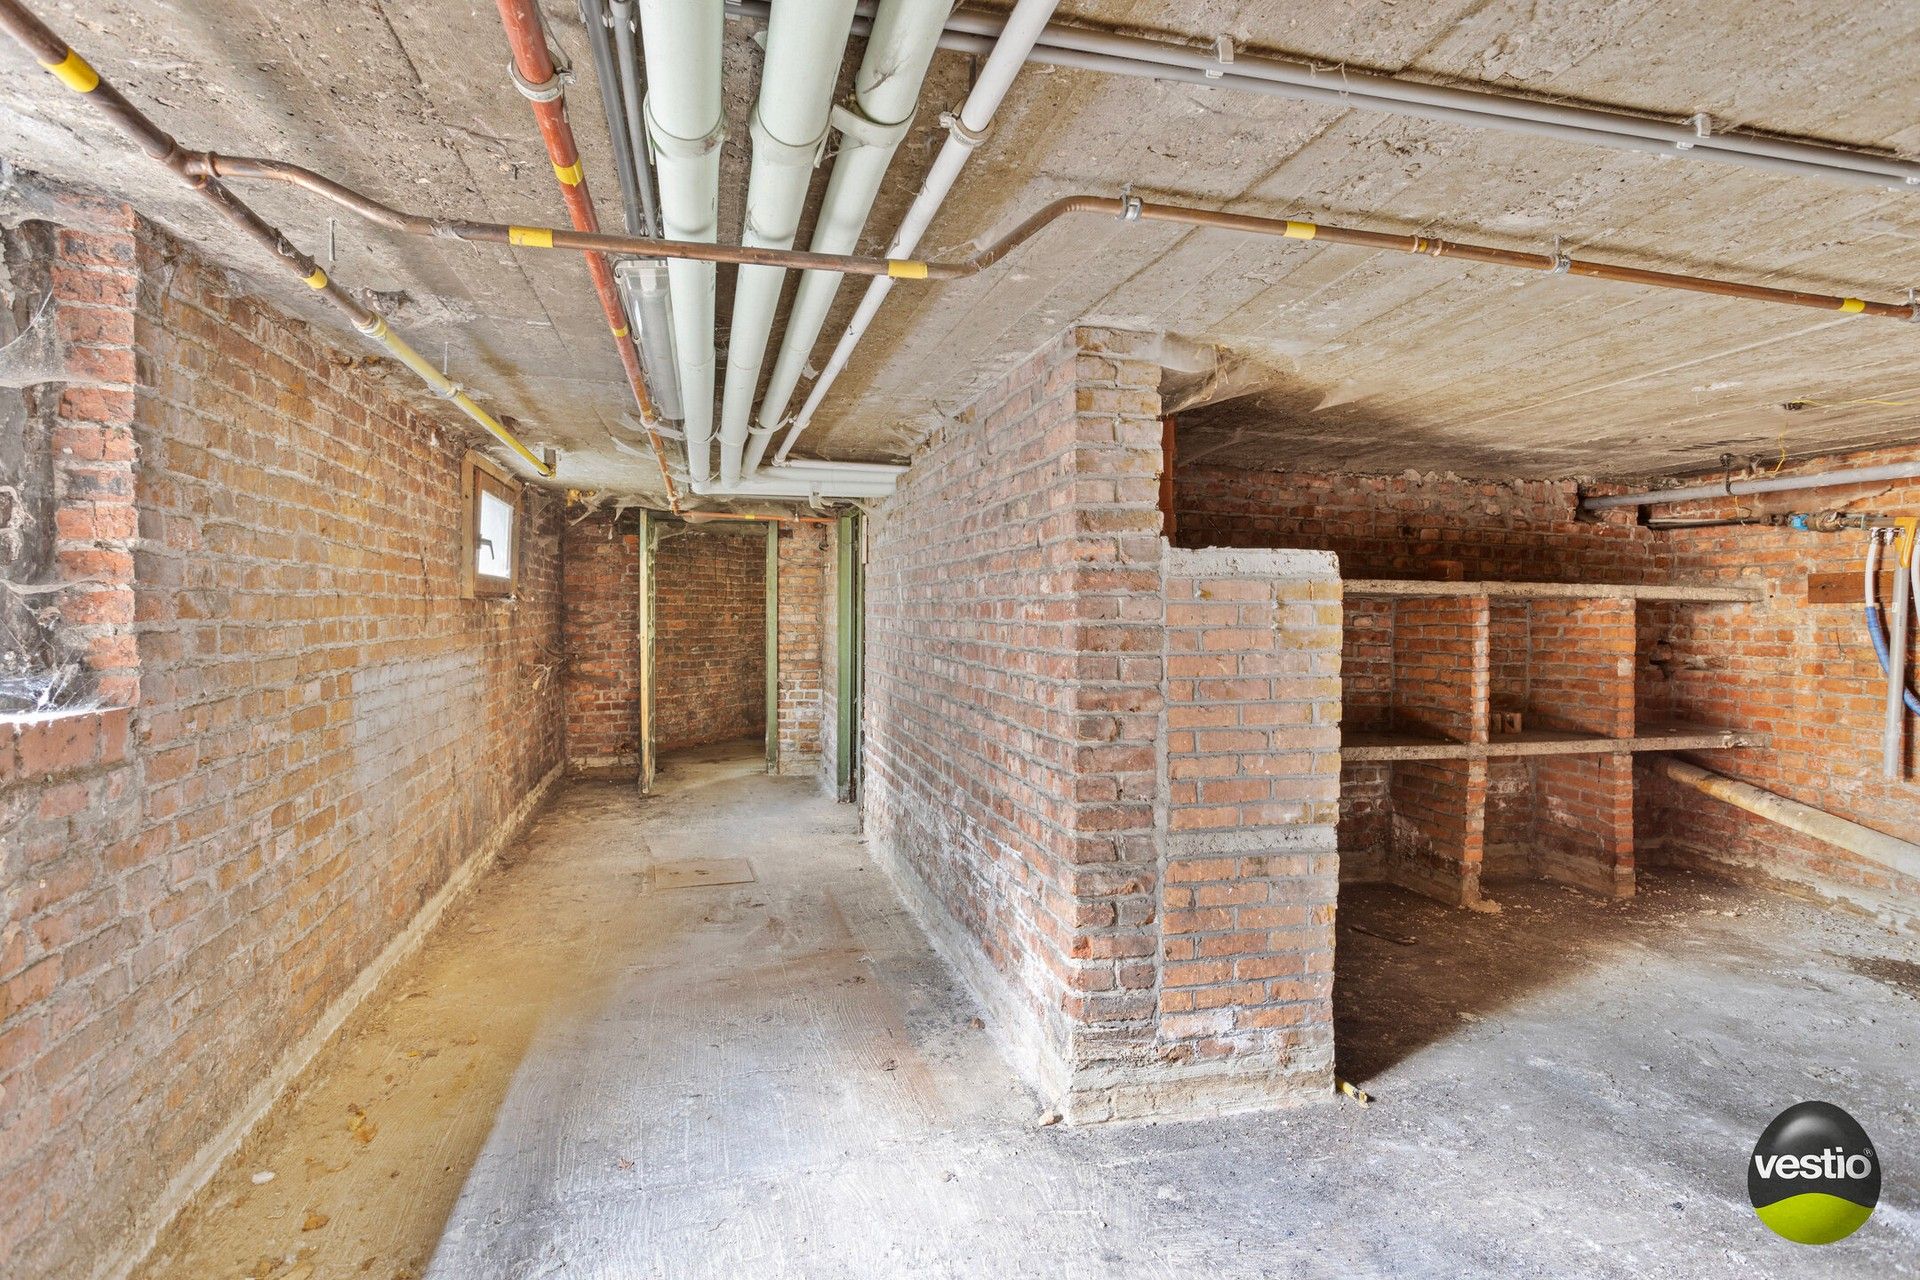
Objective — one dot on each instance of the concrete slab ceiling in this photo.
(1342, 358)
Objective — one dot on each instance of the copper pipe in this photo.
(72, 70)
(534, 69)
(989, 254)
(1134, 209)
(415, 224)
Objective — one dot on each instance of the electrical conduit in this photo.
(632, 95)
(885, 91)
(593, 15)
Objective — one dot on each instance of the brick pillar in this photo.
(92, 279)
(1012, 701)
(1113, 803)
(1583, 821)
(1439, 828)
(1251, 796)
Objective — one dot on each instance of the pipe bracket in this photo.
(957, 127)
(675, 147)
(769, 146)
(863, 130)
(548, 91)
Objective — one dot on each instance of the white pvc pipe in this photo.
(885, 92)
(805, 45)
(1893, 755)
(1338, 85)
(873, 468)
(629, 91)
(1386, 93)
(1023, 28)
(1770, 484)
(684, 129)
(779, 482)
(1902, 856)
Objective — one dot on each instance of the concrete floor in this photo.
(585, 1073)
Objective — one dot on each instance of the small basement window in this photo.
(492, 529)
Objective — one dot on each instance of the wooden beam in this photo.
(1845, 588)
(1552, 590)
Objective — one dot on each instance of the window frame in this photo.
(479, 475)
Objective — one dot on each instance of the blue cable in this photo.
(1879, 635)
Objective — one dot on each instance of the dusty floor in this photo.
(586, 1073)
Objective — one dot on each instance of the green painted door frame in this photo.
(649, 542)
(849, 634)
(773, 647)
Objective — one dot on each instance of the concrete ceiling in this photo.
(1333, 357)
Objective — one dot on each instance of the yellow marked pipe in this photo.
(906, 269)
(443, 387)
(569, 173)
(1852, 304)
(318, 280)
(621, 332)
(1301, 230)
(532, 237)
(73, 72)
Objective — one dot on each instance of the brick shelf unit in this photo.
(1438, 785)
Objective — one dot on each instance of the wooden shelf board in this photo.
(1544, 742)
(1553, 590)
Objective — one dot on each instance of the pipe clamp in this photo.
(863, 130)
(957, 127)
(546, 92)
(675, 147)
(769, 146)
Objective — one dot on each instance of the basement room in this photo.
(899, 638)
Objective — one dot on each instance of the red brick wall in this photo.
(1417, 526)
(1804, 673)
(1579, 662)
(712, 646)
(1440, 655)
(1029, 640)
(1012, 674)
(321, 734)
(710, 598)
(600, 585)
